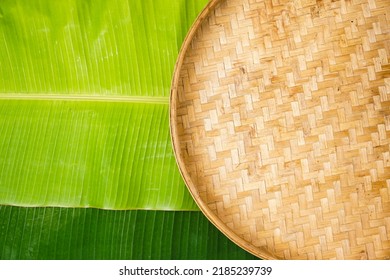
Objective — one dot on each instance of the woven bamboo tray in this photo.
(280, 122)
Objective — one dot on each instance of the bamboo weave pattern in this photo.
(282, 118)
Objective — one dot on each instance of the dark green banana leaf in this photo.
(78, 233)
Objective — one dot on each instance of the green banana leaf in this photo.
(111, 155)
(78, 233)
(84, 88)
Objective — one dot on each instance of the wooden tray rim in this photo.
(211, 216)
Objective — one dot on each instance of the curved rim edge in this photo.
(211, 216)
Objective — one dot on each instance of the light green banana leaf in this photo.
(84, 101)
(84, 92)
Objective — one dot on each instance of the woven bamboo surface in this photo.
(280, 121)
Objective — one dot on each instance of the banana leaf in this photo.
(84, 89)
(78, 233)
(88, 154)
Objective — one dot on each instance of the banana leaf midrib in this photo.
(87, 97)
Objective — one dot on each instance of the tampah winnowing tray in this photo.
(280, 121)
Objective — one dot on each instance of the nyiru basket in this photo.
(280, 122)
